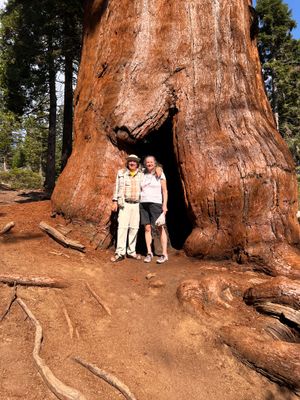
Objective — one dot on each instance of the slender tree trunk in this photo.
(187, 77)
(68, 96)
(4, 164)
(50, 167)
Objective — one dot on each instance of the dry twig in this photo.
(7, 227)
(68, 319)
(109, 378)
(56, 253)
(62, 391)
(98, 299)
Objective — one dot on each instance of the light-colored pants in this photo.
(129, 222)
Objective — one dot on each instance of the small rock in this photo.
(150, 275)
(156, 284)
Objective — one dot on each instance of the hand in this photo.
(114, 207)
(164, 209)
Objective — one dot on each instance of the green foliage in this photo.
(35, 142)
(22, 74)
(9, 125)
(36, 37)
(21, 179)
(280, 58)
(19, 158)
(26, 29)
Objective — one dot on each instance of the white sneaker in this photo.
(148, 258)
(162, 259)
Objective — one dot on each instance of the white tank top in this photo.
(151, 188)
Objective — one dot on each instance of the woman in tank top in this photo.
(154, 198)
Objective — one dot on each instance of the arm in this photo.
(164, 191)
(114, 206)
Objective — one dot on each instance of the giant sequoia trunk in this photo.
(181, 80)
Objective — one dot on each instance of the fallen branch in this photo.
(62, 391)
(12, 299)
(7, 227)
(33, 281)
(100, 301)
(109, 378)
(60, 238)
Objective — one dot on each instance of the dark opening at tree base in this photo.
(160, 145)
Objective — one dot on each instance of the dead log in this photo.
(61, 390)
(60, 238)
(277, 360)
(109, 378)
(99, 301)
(280, 290)
(33, 281)
(7, 227)
(12, 299)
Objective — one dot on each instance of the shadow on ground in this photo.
(32, 196)
(10, 238)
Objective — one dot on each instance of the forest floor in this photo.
(149, 342)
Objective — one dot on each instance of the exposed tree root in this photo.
(276, 290)
(109, 378)
(271, 348)
(60, 238)
(7, 227)
(62, 391)
(98, 299)
(279, 297)
(12, 299)
(33, 281)
(286, 313)
(275, 359)
(279, 331)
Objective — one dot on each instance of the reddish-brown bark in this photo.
(184, 75)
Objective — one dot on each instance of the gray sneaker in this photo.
(162, 259)
(148, 258)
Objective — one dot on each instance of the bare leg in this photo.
(148, 238)
(163, 240)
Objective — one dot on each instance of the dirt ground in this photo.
(149, 342)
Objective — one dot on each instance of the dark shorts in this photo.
(149, 213)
